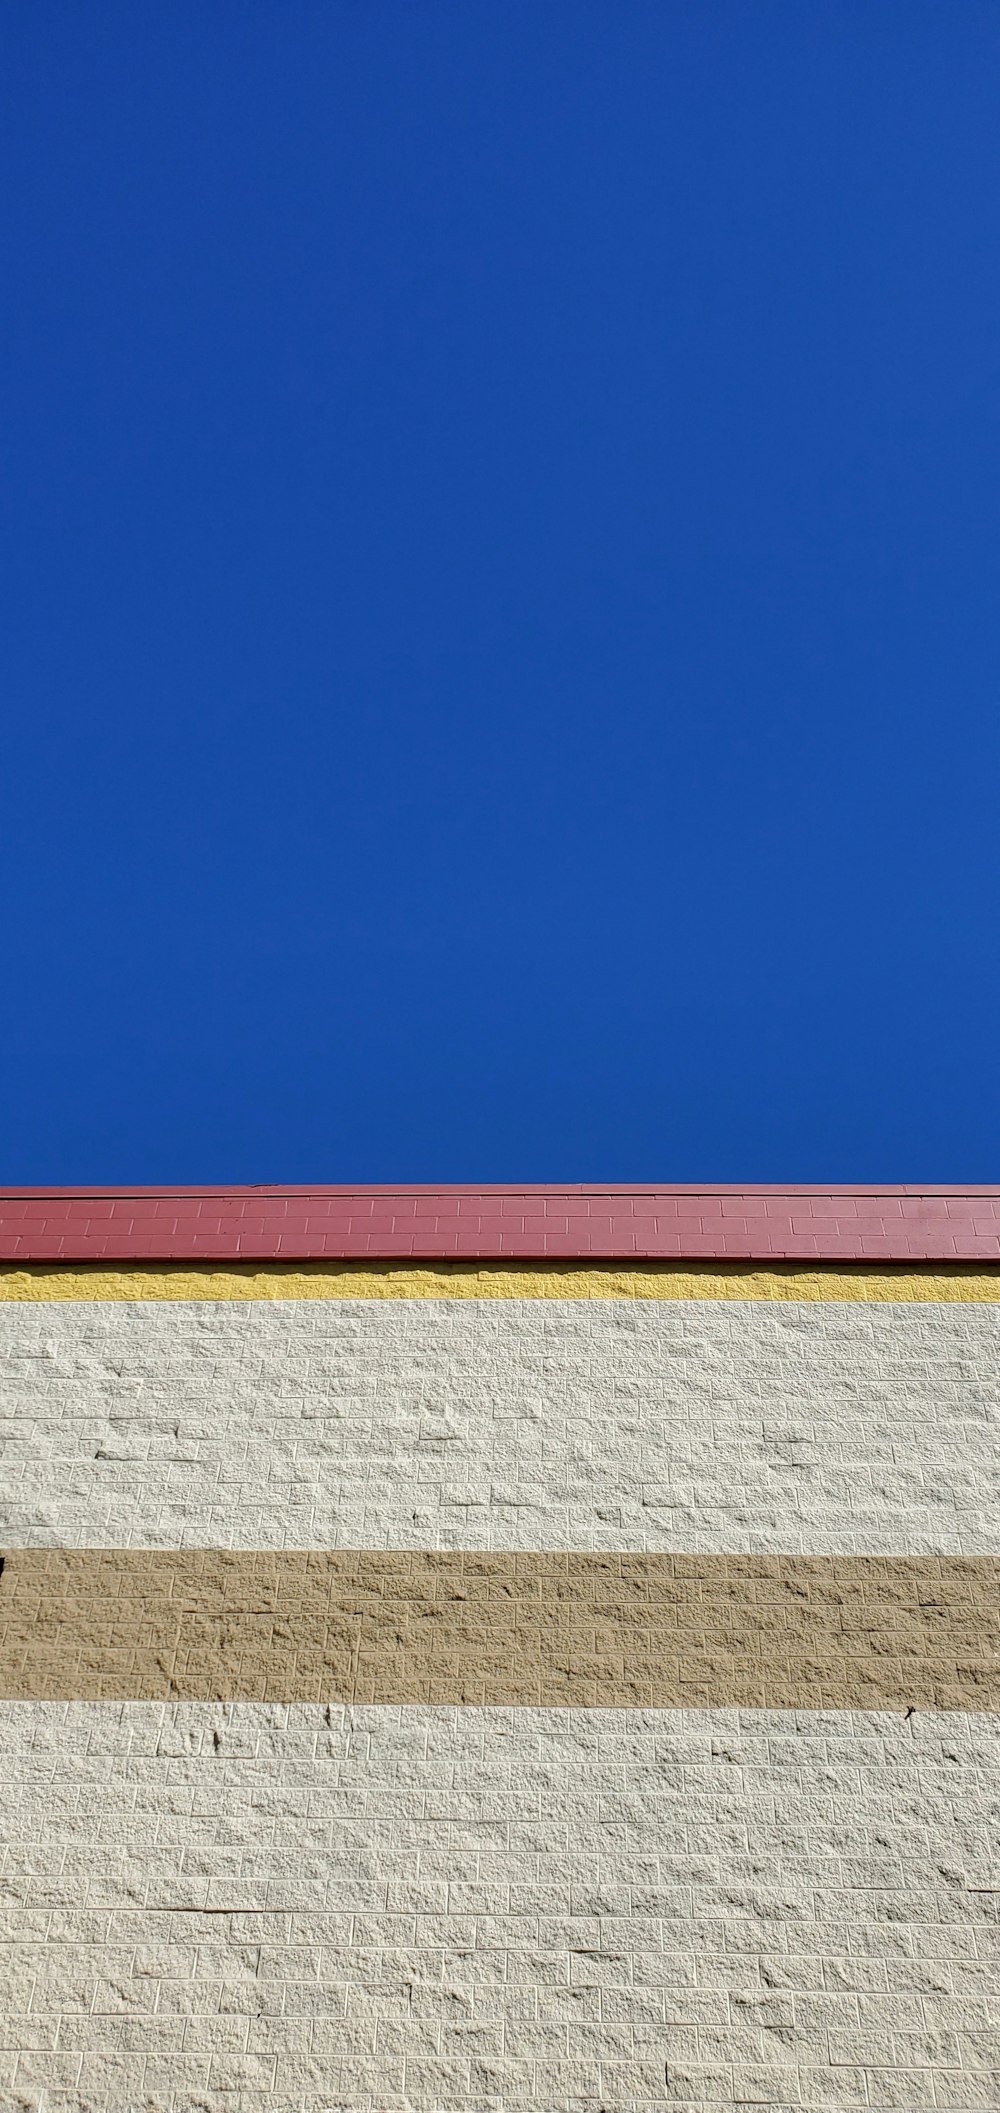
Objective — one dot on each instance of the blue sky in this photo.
(502, 632)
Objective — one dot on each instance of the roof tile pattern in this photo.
(572, 1223)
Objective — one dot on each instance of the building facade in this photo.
(483, 1649)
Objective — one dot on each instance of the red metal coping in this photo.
(576, 1223)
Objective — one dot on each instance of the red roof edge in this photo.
(575, 1222)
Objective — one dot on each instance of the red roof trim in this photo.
(580, 1222)
(526, 1188)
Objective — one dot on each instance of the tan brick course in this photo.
(656, 1631)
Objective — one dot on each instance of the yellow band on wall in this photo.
(950, 1283)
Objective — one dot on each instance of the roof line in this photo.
(519, 1188)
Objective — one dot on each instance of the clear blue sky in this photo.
(501, 637)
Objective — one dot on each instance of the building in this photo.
(495, 1649)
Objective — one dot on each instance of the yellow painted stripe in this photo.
(953, 1283)
(591, 1631)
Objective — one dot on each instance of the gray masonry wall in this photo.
(825, 1428)
(258, 1909)
(462, 1908)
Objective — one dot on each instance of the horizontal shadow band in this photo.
(591, 1631)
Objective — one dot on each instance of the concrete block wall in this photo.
(449, 1685)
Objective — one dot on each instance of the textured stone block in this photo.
(521, 1424)
(698, 1907)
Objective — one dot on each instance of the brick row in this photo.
(502, 1630)
(865, 1225)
